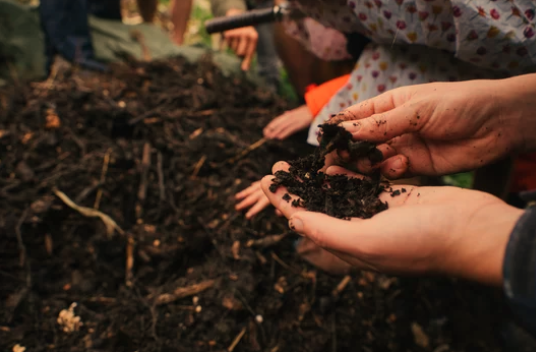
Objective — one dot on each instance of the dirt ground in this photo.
(116, 193)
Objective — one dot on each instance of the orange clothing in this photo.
(316, 97)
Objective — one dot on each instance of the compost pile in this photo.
(119, 231)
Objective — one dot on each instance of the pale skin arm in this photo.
(442, 128)
(180, 14)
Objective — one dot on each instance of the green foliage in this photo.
(464, 180)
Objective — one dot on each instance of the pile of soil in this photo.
(116, 193)
(336, 195)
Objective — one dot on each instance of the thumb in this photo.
(349, 237)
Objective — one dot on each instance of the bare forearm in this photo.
(180, 13)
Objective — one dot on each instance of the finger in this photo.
(278, 121)
(395, 167)
(337, 170)
(365, 166)
(233, 43)
(246, 192)
(334, 234)
(250, 52)
(384, 126)
(280, 166)
(246, 63)
(276, 130)
(278, 212)
(377, 105)
(250, 200)
(242, 45)
(283, 133)
(276, 198)
(258, 207)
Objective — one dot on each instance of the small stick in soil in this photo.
(198, 167)
(341, 286)
(102, 300)
(236, 340)
(182, 292)
(283, 264)
(111, 225)
(20, 242)
(49, 244)
(246, 151)
(235, 249)
(145, 165)
(266, 241)
(261, 257)
(160, 171)
(102, 178)
(130, 261)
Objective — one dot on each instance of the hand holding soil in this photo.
(289, 123)
(443, 128)
(425, 230)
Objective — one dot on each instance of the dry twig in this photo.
(236, 340)
(102, 178)
(110, 224)
(182, 292)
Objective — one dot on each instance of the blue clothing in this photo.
(66, 28)
(519, 271)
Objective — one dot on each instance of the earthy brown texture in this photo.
(335, 195)
(161, 149)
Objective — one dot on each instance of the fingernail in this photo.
(398, 164)
(296, 225)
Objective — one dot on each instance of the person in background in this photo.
(394, 59)
(247, 41)
(66, 28)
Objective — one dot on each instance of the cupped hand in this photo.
(445, 230)
(243, 41)
(443, 128)
(289, 123)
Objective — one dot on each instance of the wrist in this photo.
(518, 97)
(478, 253)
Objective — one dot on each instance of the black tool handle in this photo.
(250, 18)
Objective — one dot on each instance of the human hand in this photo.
(243, 41)
(253, 197)
(288, 123)
(425, 230)
(443, 128)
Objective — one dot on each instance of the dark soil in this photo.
(336, 195)
(159, 148)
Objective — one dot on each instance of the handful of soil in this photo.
(339, 196)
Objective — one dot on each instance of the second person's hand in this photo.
(243, 41)
(288, 123)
